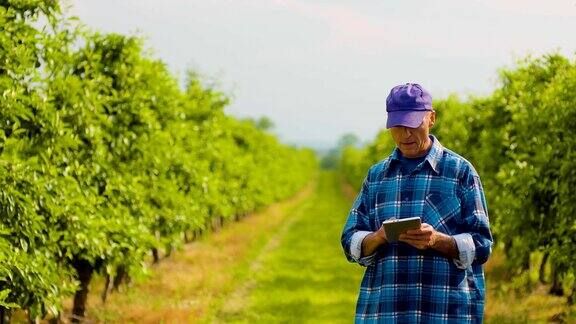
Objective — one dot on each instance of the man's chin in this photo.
(409, 153)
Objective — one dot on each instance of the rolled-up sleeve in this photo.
(356, 249)
(466, 250)
(475, 244)
(356, 228)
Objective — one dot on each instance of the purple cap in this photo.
(407, 105)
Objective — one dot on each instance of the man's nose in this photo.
(407, 131)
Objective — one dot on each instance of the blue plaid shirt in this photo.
(403, 284)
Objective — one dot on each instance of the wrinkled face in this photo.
(414, 142)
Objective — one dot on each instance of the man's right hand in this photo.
(372, 241)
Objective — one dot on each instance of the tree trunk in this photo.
(197, 233)
(155, 256)
(4, 315)
(169, 250)
(541, 273)
(107, 289)
(572, 297)
(508, 249)
(216, 224)
(33, 320)
(556, 288)
(84, 270)
(55, 320)
(525, 265)
(119, 278)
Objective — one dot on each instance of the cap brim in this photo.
(408, 118)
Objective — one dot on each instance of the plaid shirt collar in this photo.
(433, 157)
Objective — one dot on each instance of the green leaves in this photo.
(3, 297)
(103, 157)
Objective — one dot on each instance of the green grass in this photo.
(285, 264)
(303, 276)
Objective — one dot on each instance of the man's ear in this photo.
(432, 118)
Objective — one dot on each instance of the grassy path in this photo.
(283, 264)
(302, 276)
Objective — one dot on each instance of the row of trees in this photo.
(106, 160)
(521, 141)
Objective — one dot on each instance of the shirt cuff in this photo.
(466, 250)
(356, 249)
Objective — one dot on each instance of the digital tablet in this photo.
(394, 227)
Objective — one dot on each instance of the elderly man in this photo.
(432, 274)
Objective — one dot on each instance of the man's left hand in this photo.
(422, 238)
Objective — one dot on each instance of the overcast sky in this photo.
(322, 68)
